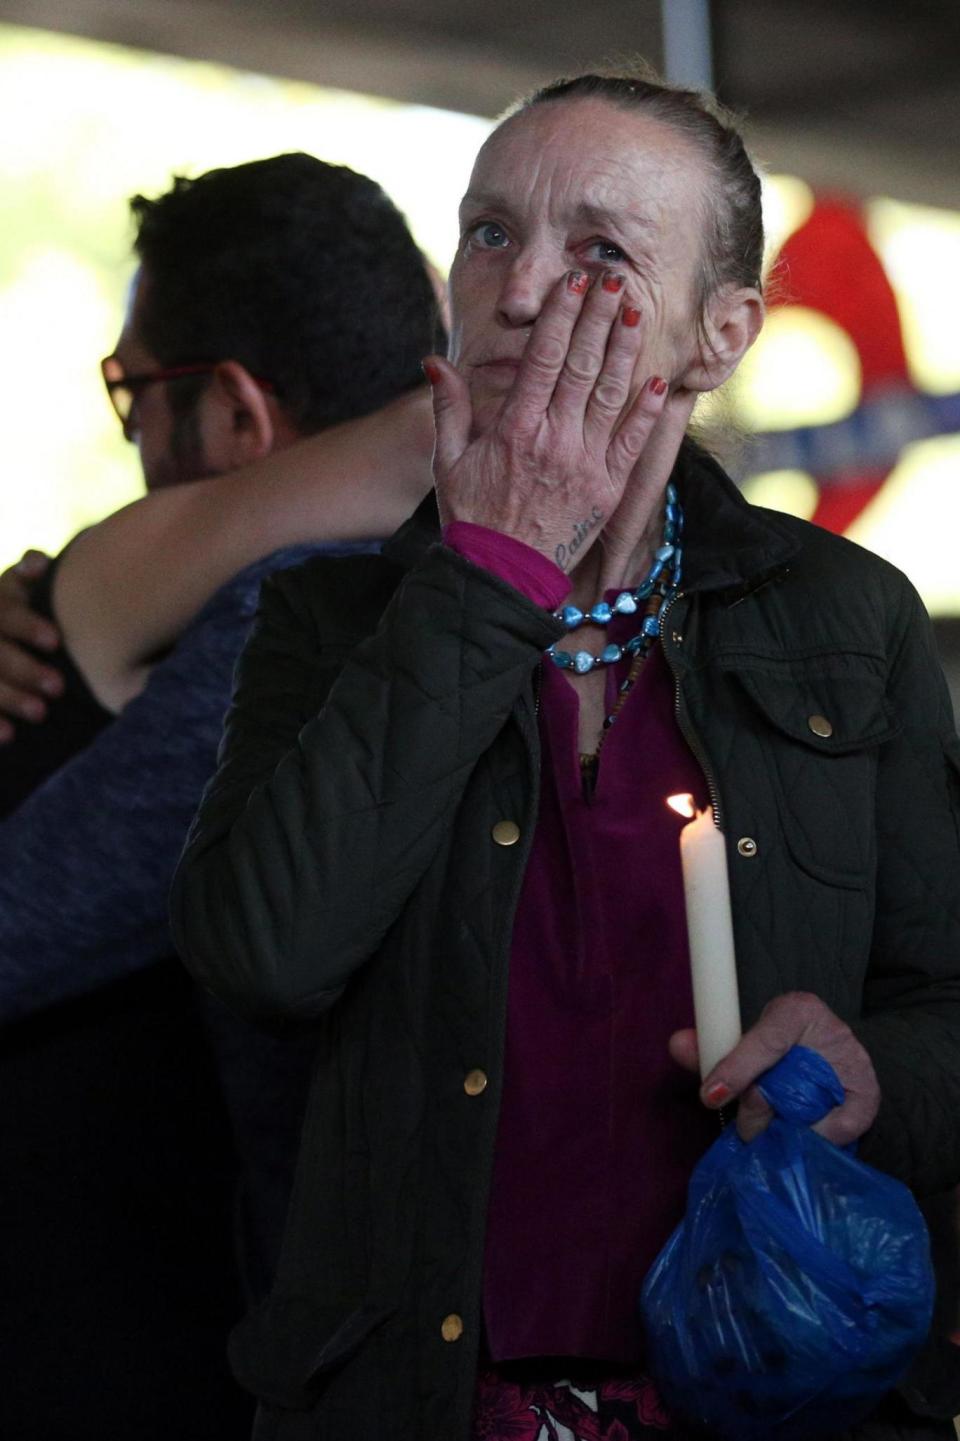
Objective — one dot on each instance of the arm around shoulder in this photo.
(126, 588)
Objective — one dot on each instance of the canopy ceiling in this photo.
(860, 95)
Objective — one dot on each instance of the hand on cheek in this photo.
(556, 459)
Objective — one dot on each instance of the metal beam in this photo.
(687, 49)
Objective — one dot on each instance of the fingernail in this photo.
(51, 685)
(630, 316)
(717, 1094)
(44, 637)
(657, 385)
(577, 282)
(33, 710)
(431, 371)
(612, 281)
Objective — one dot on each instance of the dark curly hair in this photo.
(303, 272)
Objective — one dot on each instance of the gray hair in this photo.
(733, 250)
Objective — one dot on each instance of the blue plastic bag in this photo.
(798, 1288)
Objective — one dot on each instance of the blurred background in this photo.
(848, 411)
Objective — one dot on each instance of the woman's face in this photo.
(577, 184)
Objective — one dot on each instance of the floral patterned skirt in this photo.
(542, 1409)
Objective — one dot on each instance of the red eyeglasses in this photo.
(123, 389)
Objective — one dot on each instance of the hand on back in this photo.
(26, 684)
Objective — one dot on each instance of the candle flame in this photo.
(683, 805)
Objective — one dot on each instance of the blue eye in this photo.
(489, 235)
(606, 250)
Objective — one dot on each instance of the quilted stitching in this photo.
(377, 885)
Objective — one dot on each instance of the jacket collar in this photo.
(729, 544)
(416, 535)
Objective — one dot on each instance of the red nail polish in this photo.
(718, 1093)
(431, 371)
(657, 385)
(612, 282)
(630, 316)
(577, 282)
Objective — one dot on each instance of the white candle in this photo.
(706, 887)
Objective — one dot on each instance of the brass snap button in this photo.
(452, 1327)
(820, 726)
(506, 833)
(475, 1082)
(747, 846)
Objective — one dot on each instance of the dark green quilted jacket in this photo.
(341, 870)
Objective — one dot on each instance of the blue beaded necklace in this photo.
(654, 593)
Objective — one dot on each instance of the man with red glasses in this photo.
(273, 301)
(123, 389)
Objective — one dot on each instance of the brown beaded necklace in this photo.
(590, 760)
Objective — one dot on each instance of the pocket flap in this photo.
(820, 720)
(830, 705)
(282, 1348)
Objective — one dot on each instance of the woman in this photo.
(438, 826)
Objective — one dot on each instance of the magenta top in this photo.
(599, 1130)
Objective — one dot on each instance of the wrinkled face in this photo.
(576, 184)
(152, 425)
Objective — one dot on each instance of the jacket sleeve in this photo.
(341, 767)
(911, 1018)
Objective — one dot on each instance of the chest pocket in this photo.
(822, 721)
